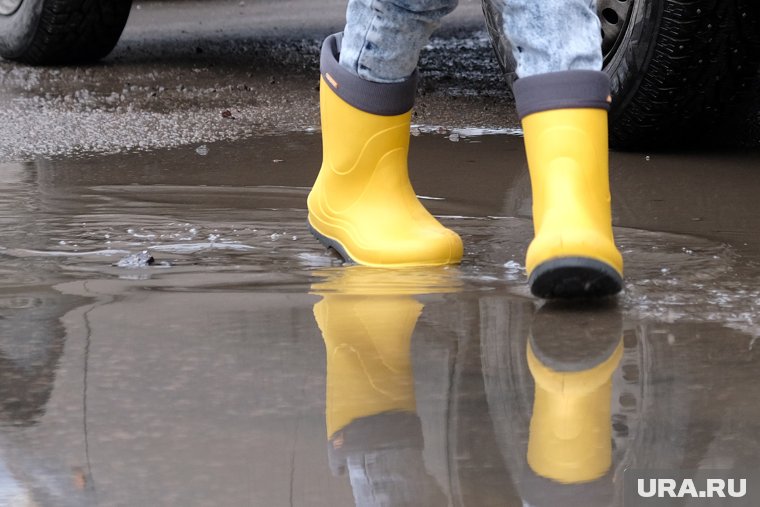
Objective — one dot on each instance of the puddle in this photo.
(244, 366)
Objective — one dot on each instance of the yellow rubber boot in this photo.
(362, 203)
(571, 428)
(573, 253)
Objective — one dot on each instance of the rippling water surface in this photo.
(170, 334)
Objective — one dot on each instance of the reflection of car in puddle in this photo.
(678, 267)
(32, 340)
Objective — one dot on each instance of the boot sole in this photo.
(330, 243)
(574, 277)
(334, 244)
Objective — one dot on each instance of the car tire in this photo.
(681, 72)
(45, 32)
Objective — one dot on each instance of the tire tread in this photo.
(76, 31)
(699, 79)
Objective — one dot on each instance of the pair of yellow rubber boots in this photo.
(363, 204)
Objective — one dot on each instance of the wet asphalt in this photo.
(179, 65)
(172, 336)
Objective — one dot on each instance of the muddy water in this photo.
(244, 366)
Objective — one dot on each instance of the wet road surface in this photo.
(180, 64)
(244, 366)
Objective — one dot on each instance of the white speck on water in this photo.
(513, 266)
(62, 242)
(647, 158)
(275, 236)
(295, 238)
(202, 150)
(143, 236)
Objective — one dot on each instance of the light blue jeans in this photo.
(383, 38)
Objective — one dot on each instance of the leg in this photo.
(562, 100)
(553, 35)
(383, 39)
(363, 204)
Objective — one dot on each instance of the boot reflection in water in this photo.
(573, 351)
(367, 318)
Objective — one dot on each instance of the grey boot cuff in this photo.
(384, 99)
(570, 89)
